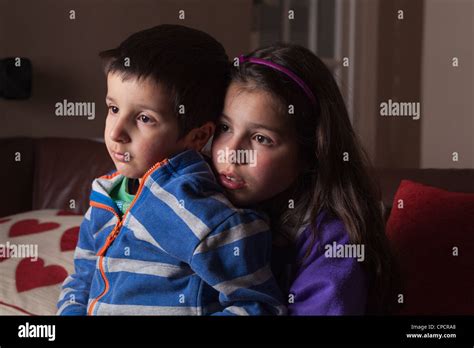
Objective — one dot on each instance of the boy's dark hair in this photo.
(191, 65)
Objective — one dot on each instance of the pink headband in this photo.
(282, 69)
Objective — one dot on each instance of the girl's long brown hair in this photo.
(336, 178)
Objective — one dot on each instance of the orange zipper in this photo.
(116, 230)
(101, 252)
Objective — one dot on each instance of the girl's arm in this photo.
(325, 283)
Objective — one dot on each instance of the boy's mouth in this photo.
(121, 157)
(231, 181)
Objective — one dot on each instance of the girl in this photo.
(309, 173)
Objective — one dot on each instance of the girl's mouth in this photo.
(231, 182)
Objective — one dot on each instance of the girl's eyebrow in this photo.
(257, 125)
(226, 117)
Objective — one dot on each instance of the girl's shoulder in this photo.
(298, 245)
(329, 229)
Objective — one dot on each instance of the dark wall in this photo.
(64, 52)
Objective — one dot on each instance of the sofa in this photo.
(47, 182)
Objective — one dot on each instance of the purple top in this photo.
(321, 285)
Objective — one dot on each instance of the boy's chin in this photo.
(128, 172)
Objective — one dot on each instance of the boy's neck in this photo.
(133, 185)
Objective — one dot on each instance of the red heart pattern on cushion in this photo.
(66, 213)
(4, 220)
(33, 274)
(69, 239)
(31, 226)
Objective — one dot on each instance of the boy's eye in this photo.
(113, 109)
(263, 140)
(145, 119)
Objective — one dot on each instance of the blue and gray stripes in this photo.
(182, 249)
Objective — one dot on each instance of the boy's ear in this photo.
(198, 137)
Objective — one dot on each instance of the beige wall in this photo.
(64, 52)
(447, 114)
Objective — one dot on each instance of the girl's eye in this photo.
(263, 140)
(223, 128)
(113, 109)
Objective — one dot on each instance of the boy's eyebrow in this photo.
(257, 125)
(159, 112)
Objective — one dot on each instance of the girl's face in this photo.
(254, 151)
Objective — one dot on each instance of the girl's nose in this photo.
(237, 143)
(236, 147)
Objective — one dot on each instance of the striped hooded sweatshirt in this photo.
(180, 249)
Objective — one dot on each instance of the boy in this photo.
(159, 236)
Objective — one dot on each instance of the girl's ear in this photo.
(198, 137)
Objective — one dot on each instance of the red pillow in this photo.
(424, 235)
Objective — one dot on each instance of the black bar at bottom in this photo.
(135, 330)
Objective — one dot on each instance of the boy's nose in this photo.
(119, 133)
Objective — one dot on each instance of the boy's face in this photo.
(250, 124)
(141, 128)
